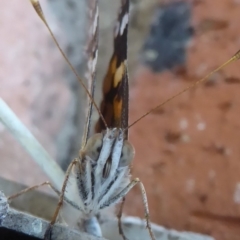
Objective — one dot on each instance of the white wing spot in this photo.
(124, 23)
(95, 23)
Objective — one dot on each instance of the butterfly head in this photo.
(111, 148)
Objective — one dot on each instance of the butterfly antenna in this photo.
(38, 9)
(235, 57)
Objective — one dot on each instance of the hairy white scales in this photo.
(101, 175)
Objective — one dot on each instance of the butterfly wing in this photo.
(114, 106)
(92, 55)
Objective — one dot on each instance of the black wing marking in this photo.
(114, 105)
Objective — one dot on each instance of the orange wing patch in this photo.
(114, 106)
(111, 106)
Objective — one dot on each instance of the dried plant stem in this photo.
(33, 147)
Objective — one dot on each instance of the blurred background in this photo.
(187, 152)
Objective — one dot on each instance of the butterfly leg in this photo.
(119, 216)
(29, 189)
(123, 193)
(146, 210)
(47, 235)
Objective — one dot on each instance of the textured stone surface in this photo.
(36, 227)
(42, 205)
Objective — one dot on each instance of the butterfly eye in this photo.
(94, 146)
(127, 155)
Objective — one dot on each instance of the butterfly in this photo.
(102, 171)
